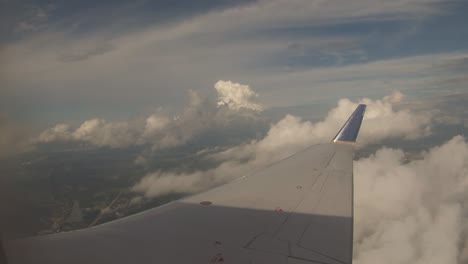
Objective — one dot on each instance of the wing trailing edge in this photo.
(350, 130)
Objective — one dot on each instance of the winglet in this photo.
(348, 133)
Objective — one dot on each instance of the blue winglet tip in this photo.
(350, 130)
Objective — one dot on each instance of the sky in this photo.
(74, 60)
(241, 84)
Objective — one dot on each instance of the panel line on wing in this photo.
(293, 210)
(284, 248)
(321, 254)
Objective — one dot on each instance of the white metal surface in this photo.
(299, 210)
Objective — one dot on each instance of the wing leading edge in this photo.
(298, 210)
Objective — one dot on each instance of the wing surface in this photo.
(298, 210)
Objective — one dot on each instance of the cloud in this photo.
(85, 53)
(60, 132)
(412, 212)
(288, 136)
(158, 130)
(235, 109)
(96, 131)
(159, 183)
(458, 64)
(313, 12)
(292, 133)
(102, 133)
(162, 183)
(395, 97)
(236, 96)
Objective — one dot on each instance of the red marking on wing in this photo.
(217, 259)
(278, 209)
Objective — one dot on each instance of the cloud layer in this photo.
(288, 136)
(96, 131)
(158, 129)
(292, 133)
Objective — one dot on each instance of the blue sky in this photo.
(74, 60)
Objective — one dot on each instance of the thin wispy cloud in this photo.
(269, 44)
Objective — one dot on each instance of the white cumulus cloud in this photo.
(291, 134)
(160, 130)
(159, 183)
(59, 132)
(394, 97)
(96, 131)
(236, 96)
(412, 212)
(102, 133)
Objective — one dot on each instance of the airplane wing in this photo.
(298, 210)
